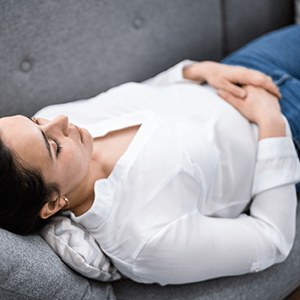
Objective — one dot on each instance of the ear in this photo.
(52, 207)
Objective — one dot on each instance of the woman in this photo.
(164, 170)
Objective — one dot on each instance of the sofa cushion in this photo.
(29, 269)
(248, 19)
(58, 51)
(297, 11)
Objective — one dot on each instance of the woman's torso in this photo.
(193, 151)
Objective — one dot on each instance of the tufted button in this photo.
(137, 22)
(26, 65)
(256, 270)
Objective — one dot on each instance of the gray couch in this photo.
(55, 51)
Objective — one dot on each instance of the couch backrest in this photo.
(56, 51)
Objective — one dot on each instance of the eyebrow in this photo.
(46, 141)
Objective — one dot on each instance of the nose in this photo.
(60, 123)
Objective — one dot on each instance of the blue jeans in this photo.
(278, 55)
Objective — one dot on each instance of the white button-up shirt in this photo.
(172, 209)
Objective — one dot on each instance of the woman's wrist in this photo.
(273, 126)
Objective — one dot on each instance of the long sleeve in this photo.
(172, 75)
(274, 205)
(197, 247)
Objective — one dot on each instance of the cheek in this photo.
(76, 162)
(70, 174)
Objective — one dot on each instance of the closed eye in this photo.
(58, 145)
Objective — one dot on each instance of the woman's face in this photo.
(59, 149)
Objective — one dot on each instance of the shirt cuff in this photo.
(172, 75)
(277, 164)
(178, 70)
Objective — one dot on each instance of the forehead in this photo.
(14, 129)
(24, 138)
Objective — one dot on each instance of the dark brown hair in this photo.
(23, 192)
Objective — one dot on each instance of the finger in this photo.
(234, 89)
(260, 79)
(230, 98)
(270, 86)
(266, 82)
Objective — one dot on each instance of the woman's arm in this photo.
(227, 78)
(219, 76)
(196, 247)
(259, 107)
(274, 205)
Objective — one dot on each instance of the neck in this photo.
(82, 198)
(107, 150)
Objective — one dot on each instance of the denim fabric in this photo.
(278, 55)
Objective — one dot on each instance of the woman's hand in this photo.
(260, 107)
(226, 78)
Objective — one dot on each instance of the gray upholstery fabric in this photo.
(246, 20)
(29, 269)
(56, 51)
